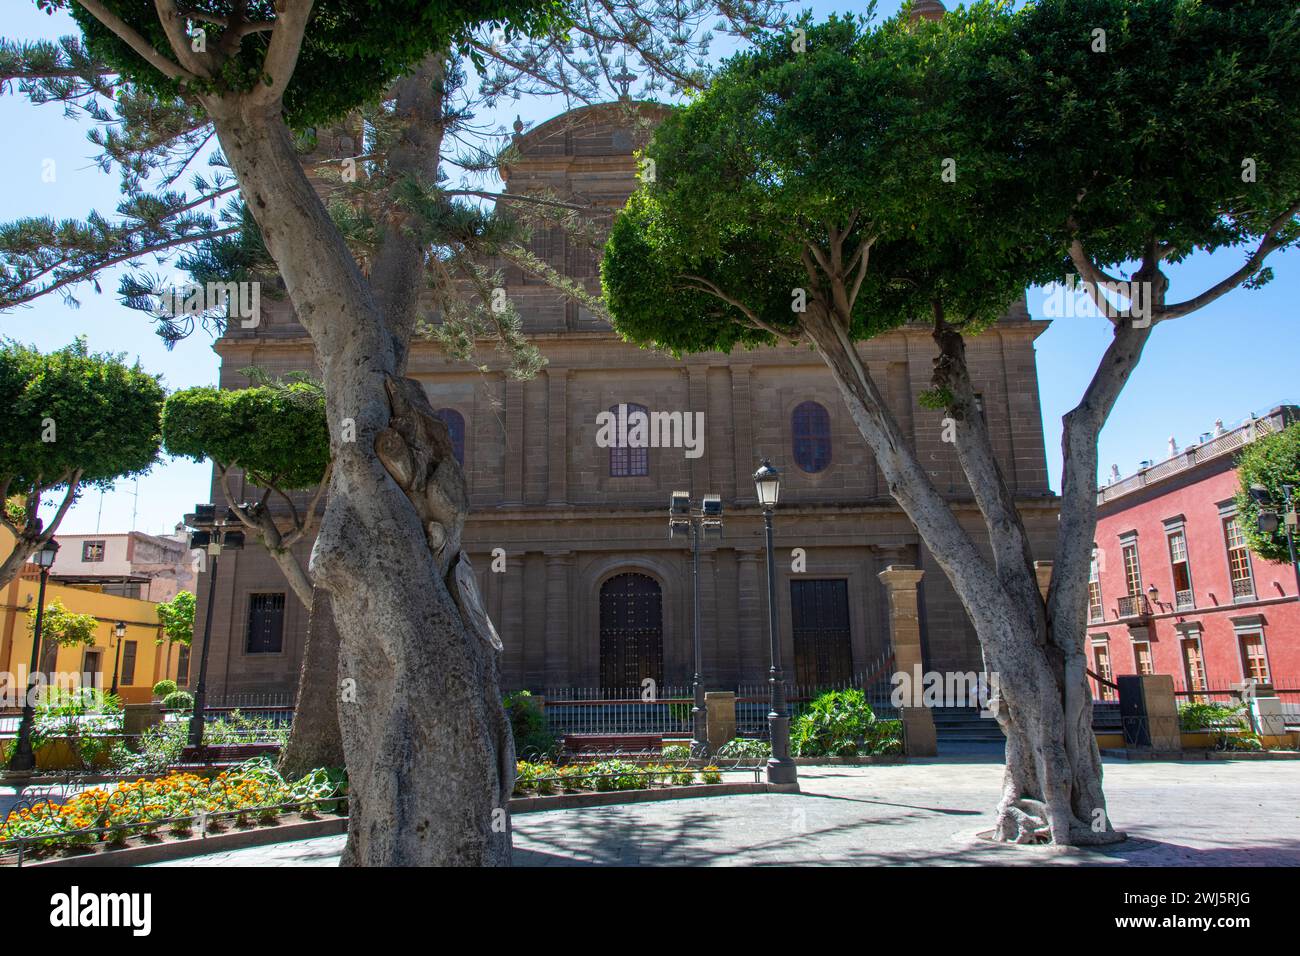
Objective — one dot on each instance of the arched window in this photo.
(455, 423)
(810, 426)
(626, 461)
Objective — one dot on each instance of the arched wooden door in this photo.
(631, 632)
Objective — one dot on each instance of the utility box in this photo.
(1149, 713)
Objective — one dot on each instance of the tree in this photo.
(177, 619)
(1271, 461)
(63, 627)
(921, 172)
(73, 420)
(276, 433)
(428, 748)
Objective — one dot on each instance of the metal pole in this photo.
(117, 660)
(1290, 538)
(780, 768)
(24, 759)
(699, 734)
(201, 692)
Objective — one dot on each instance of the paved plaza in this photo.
(925, 812)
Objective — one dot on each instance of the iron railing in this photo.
(1134, 605)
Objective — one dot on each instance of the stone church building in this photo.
(593, 592)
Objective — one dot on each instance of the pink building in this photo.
(1174, 590)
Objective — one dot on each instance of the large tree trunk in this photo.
(315, 739)
(1052, 784)
(429, 756)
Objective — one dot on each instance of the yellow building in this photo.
(140, 661)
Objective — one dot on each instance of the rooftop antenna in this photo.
(100, 513)
(135, 502)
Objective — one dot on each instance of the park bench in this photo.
(225, 755)
(631, 744)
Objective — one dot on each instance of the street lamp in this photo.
(208, 531)
(23, 760)
(1154, 593)
(707, 521)
(780, 768)
(1269, 521)
(119, 632)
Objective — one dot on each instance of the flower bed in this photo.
(545, 778)
(252, 793)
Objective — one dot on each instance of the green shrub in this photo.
(836, 724)
(533, 741)
(86, 717)
(617, 775)
(1228, 723)
(745, 747)
(683, 777)
(160, 746)
(179, 700)
(711, 774)
(885, 737)
(164, 689)
(677, 752)
(1194, 716)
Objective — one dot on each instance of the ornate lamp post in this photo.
(780, 768)
(1270, 521)
(119, 632)
(208, 532)
(707, 521)
(23, 760)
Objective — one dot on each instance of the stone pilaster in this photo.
(557, 616)
(557, 437)
(900, 581)
(742, 431)
(752, 625)
(514, 456)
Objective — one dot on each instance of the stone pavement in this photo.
(925, 812)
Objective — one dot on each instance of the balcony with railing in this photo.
(1243, 589)
(1096, 614)
(1134, 606)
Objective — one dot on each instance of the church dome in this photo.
(929, 9)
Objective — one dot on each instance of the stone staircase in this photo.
(965, 725)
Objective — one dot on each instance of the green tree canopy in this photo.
(276, 433)
(918, 169)
(1272, 461)
(72, 419)
(177, 618)
(352, 50)
(63, 627)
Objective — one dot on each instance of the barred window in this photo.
(810, 427)
(624, 460)
(265, 623)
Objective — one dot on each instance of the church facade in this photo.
(568, 529)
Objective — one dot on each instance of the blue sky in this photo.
(1235, 357)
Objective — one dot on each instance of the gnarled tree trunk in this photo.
(315, 739)
(1052, 783)
(429, 756)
